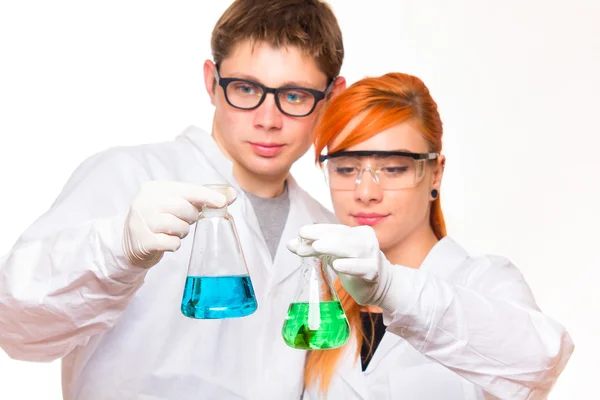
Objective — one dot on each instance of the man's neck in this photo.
(261, 186)
(412, 251)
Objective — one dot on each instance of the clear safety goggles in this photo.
(391, 170)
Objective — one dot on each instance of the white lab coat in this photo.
(472, 331)
(67, 291)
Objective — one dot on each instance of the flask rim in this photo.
(222, 188)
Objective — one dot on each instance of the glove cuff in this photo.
(396, 289)
(145, 262)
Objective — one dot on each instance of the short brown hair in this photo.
(309, 25)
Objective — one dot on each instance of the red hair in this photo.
(385, 101)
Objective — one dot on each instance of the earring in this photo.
(434, 193)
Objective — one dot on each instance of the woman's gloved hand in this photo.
(161, 215)
(364, 271)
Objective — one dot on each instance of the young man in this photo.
(98, 279)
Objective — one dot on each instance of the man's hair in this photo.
(309, 25)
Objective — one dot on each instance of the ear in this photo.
(209, 80)
(338, 86)
(438, 172)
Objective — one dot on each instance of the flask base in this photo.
(218, 297)
(333, 328)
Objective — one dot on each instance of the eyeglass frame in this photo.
(369, 153)
(318, 95)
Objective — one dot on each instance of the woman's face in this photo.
(394, 214)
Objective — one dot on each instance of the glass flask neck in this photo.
(210, 212)
(315, 282)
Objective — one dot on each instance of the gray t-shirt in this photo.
(272, 214)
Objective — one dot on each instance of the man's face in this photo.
(264, 143)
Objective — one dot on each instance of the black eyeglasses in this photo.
(294, 101)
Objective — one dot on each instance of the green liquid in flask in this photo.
(332, 331)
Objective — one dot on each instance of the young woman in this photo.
(458, 326)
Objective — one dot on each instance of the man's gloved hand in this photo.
(364, 271)
(161, 215)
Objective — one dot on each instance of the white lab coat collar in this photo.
(209, 148)
(300, 214)
(445, 256)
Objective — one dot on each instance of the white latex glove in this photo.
(161, 215)
(364, 271)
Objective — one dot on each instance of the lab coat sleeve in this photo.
(66, 279)
(486, 328)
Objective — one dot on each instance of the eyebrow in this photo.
(303, 84)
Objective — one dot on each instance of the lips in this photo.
(266, 149)
(369, 218)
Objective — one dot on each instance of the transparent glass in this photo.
(218, 284)
(390, 173)
(316, 319)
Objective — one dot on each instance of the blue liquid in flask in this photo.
(216, 297)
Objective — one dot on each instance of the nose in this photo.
(267, 116)
(367, 189)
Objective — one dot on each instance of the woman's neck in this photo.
(409, 253)
(412, 251)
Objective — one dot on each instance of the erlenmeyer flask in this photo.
(217, 284)
(316, 319)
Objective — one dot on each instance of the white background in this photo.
(517, 83)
